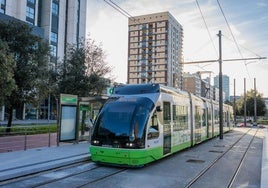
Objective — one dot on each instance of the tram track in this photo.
(56, 177)
(242, 161)
(198, 178)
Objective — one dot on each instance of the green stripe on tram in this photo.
(131, 157)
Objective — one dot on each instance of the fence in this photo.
(29, 137)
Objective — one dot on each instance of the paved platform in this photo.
(19, 163)
(264, 171)
(15, 164)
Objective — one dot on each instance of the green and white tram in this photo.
(143, 123)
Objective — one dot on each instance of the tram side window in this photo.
(153, 131)
(180, 117)
(197, 117)
(216, 116)
(166, 110)
(204, 122)
(209, 117)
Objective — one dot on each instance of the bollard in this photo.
(25, 139)
(49, 136)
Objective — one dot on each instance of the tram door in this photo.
(167, 128)
(198, 124)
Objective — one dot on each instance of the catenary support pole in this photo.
(234, 105)
(255, 103)
(220, 87)
(245, 103)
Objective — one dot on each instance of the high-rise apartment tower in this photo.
(155, 50)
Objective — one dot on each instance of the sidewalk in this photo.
(18, 163)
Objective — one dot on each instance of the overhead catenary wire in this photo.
(108, 2)
(206, 27)
(120, 10)
(244, 47)
(228, 25)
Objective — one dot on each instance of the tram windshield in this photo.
(123, 118)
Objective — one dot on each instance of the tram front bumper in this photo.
(116, 156)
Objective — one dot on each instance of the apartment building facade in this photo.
(192, 83)
(155, 50)
(59, 21)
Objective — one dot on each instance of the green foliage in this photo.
(263, 122)
(30, 129)
(7, 64)
(261, 109)
(84, 69)
(30, 54)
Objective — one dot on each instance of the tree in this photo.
(261, 109)
(84, 69)
(30, 56)
(7, 64)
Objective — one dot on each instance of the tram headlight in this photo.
(96, 142)
(130, 145)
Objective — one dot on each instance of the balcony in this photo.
(143, 75)
(143, 63)
(143, 44)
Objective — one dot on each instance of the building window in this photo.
(2, 6)
(54, 37)
(30, 12)
(53, 50)
(31, 1)
(55, 8)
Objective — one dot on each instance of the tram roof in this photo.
(133, 89)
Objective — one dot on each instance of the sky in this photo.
(247, 20)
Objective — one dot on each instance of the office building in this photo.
(155, 50)
(59, 21)
(225, 86)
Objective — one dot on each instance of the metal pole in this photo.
(58, 121)
(220, 86)
(25, 138)
(245, 103)
(48, 108)
(234, 105)
(255, 103)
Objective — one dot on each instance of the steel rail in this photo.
(241, 161)
(214, 162)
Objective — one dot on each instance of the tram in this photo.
(142, 123)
